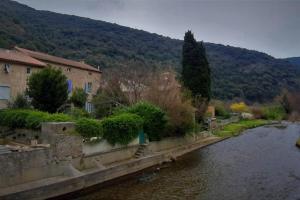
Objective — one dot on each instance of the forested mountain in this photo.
(294, 60)
(236, 72)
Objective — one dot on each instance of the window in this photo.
(88, 107)
(4, 92)
(6, 68)
(88, 87)
(28, 70)
(68, 69)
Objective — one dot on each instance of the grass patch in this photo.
(234, 129)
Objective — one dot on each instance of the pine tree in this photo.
(195, 67)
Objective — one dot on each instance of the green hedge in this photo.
(31, 119)
(154, 118)
(275, 112)
(88, 128)
(122, 128)
(78, 113)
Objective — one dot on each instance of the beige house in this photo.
(18, 64)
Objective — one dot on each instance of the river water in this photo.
(262, 163)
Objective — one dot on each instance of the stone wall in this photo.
(21, 167)
(31, 164)
(63, 144)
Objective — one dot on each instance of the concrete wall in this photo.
(103, 146)
(31, 164)
(20, 167)
(99, 160)
(169, 143)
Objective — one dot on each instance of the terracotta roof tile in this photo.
(15, 56)
(57, 60)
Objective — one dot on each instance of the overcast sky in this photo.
(271, 26)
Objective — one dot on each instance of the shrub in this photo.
(20, 102)
(154, 119)
(181, 120)
(78, 113)
(30, 119)
(103, 104)
(59, 117)
(274, 112)
(35, 118)
(78, 98)
(88, 128)
(48, 89)
(239, 107)
(122, 128)
(165, 92)
(13, 119)
(257, 112)
(220, 109)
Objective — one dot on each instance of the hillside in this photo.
(237, 72)
(294, 61)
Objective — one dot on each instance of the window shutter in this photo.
(4, 92)
(70, 86)
(85, 88)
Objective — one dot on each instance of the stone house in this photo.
(18, 64)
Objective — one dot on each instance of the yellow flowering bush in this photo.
(239, 107)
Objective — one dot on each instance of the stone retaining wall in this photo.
(29, 163)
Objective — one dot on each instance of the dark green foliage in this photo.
(195, 67)
(48, 89)
(88, 128)
(20, 102)
(221, 110)
(30, 119)
(78, 98)
(122, 128)
(154, 118)
(275, 112)
(107, 100)
(236, 72)
(294, 60)
(78, 113)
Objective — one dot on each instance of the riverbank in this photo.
(57, 186)
(47, 171)
(235, 128)
(261, 163)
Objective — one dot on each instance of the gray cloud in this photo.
(272, 26)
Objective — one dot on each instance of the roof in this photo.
(15, 56)
(57, 60)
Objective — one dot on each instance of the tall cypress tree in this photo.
(195, 67)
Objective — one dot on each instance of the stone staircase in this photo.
(4, 149)
(141, 151)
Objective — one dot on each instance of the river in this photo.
(262, 163)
